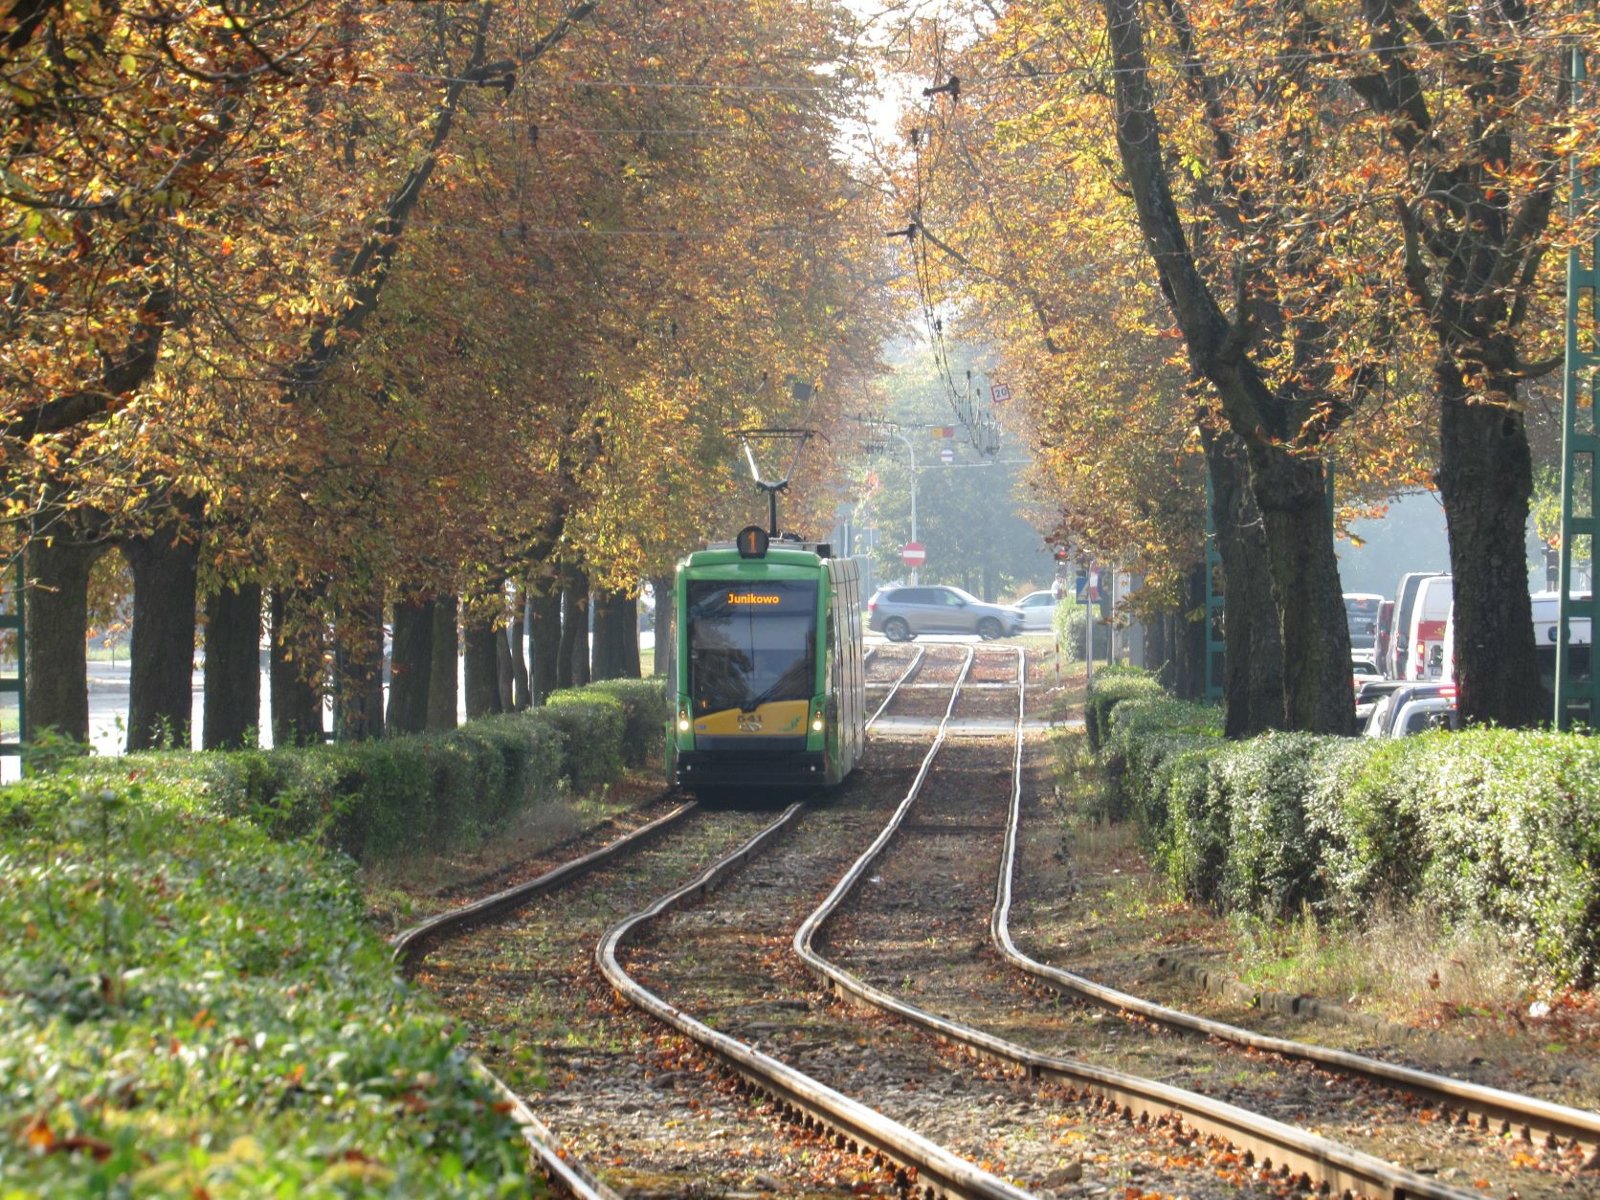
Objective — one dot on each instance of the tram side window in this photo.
(831, 677)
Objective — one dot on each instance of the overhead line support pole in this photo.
(1580, 442)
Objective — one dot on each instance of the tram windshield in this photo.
(751, 643)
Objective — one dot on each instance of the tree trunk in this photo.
(56, 625)
(444, 688)
(1253, 664)
(1190, 639)
(410, 666)
(482, 666)
(503, 672)
(358, 672)
(295, 670)
(161, 686)
(616, 636)
(661, 587)
(606, 617)
(521, 685)
(573, 666)
(231, 718)
(544, 638)
(628, 639)
(1486, 483)
(1292, 494)
(1157, 655)
(1286, 478)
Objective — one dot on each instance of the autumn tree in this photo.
(1013, 211)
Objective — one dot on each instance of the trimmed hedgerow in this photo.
(645, 713)
(1497, 825)
(1146, 736)
(190, 1008)
(375, 799)
(1113, 685)
(593, 723)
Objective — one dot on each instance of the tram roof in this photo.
(779, 553)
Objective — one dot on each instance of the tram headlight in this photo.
(817, 722)
(683, 720)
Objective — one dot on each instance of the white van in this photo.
(1546, 631)
(1361, 617)
(1547, 634)
(1399, 633)
(1425, 635)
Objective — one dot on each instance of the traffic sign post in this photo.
(913, 554)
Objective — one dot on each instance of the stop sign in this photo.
(913, 554)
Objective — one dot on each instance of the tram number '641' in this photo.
(750, 722)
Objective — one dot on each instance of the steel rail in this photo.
(854, 1125)
(906, 676)
(411, 944)
(1263, 1141)
(572, 1177)
(1464, 1101)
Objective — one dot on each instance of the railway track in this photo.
(1289, 1150)
(455, 930)
(1273, 1154)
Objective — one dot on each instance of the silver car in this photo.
(1038, 610)
(901, 613)
(1414, 708)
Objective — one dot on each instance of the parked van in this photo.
(1546, 631)
(1425, 638)
(1405, 595)
(1546, 639)
(1361, 617)
(1380, 649)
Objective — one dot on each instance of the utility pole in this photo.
(1580, 447)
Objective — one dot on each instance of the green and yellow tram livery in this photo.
(770, 687)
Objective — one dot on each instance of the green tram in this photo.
(770, 689)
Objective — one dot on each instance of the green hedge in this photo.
(188, 1008)
(374, 799)
(645, 713)
(1492, 824)
(1113, 685)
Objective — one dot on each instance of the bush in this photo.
(375, 799)
(1512, 828)
(1067, 625)
(645, 714)
(592, 722)
(1139, 735)
(1497, 825)
(1113, 685)
(201, 1011)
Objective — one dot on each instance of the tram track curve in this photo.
(953, 1179)
(1289, 1150)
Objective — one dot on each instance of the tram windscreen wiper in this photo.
(792, 681)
